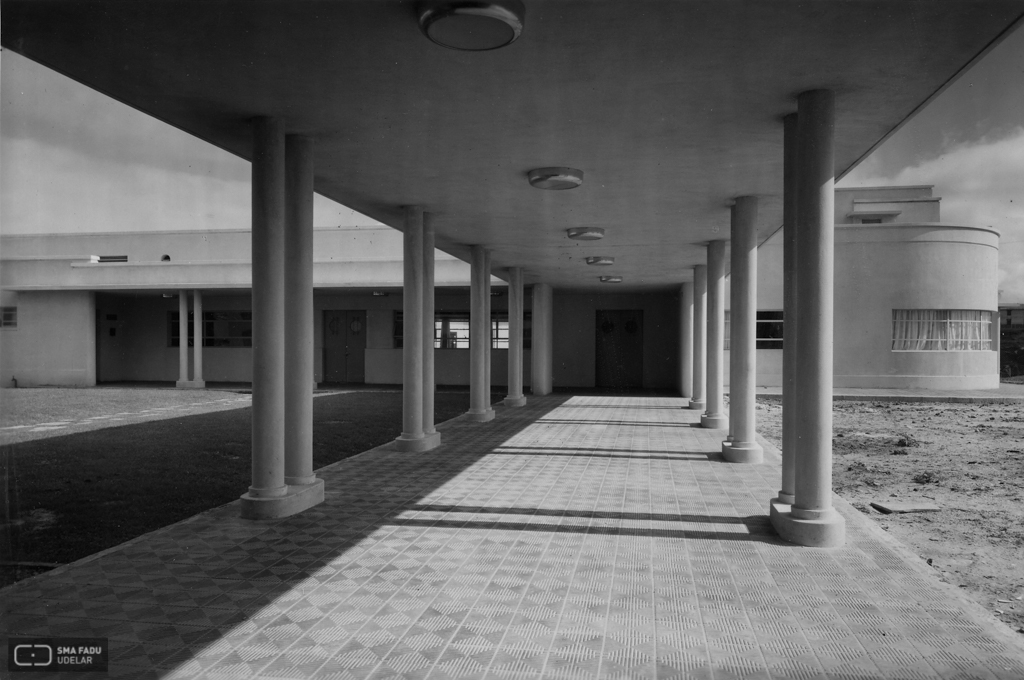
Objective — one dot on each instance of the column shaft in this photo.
(268, 217)
(412, 330)
(429, 383)
(540, 352)
(743, 448)
(812, 520)
(298, 311)
(698, 399)
(197, 341)
(182, 338)
(479, 336)
(515, 338)
(789, 311)
(686, 339)
(714, 414)
(816, 197)
(488, 340)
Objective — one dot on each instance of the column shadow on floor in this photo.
(168, 596)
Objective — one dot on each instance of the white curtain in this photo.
(918, 329)
(970, 330)
(941, 329)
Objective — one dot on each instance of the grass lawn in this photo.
(73, 495)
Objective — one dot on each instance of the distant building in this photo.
(915, 298)
(1011, 339)
(915, 306)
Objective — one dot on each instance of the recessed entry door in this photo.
(620, 348)
(344, 346)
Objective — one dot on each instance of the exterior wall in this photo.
(924, 266)
(344, 258)
(903, 205)
(575, 336)
(54, 343)
(139, 351)
(882, 267)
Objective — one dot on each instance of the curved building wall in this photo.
(883, 267)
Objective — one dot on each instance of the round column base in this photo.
(714, 422)
(743, 452)
(515, 402)
(296, 498)
(418, 443)
(478, 417)
(190, 384)
(697, 405)
(828, 531)
(784, 498)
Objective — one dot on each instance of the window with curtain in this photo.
(451, 330)
(941, 330)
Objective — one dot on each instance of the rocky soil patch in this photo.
(968, 459)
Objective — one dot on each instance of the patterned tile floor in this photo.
(579, 537)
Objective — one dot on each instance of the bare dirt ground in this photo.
(968, 459)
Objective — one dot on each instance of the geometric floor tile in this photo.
(576, 537)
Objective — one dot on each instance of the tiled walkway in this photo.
(579, 537)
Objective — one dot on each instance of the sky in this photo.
(69, 156)
(969, 143)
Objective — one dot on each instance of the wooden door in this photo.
(620, 348)
(345, 346)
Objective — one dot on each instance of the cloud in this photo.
(980, 184)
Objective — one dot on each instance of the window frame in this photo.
(9, 317)
(946, 323)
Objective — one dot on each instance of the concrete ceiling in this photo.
(671, 108)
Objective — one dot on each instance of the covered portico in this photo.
(609, 146)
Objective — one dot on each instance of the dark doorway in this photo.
(620, 348)
(344, 346)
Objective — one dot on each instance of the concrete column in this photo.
(743, 448)
(413, 437)
(714, 414)
(488, 343)
(182, 339)
(298, 312)
(479, 337)
(515, 338)
(197, 342)
(268, 218)
(686, 339)
(812, 520)
(540, 351)
(282, 194)
(429, 383)
(700, 328)
(789, 310)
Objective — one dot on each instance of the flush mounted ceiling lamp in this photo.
(600, 259)
(585, 233)
(471, 25)
(611, 279)
(557, 179)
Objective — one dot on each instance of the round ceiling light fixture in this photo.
(471, 25)
(585, 233)
(611, 279)
(557, 179)
(600, 259)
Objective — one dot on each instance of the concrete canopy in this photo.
(671, 109)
